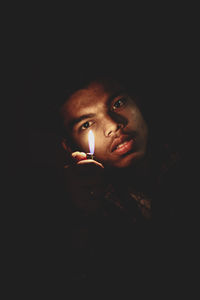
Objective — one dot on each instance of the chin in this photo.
(129, 160)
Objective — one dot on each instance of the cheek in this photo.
(136, 120)
(101, 146)
(132, 119)
(130, 113)
(81, 143)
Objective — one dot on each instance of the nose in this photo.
(111, 127)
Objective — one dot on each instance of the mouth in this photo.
(122, 145)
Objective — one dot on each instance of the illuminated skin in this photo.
(115, 119)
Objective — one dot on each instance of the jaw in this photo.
(123, 162)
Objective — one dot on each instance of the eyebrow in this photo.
(79, 119)
(75, 121)
(116, 94)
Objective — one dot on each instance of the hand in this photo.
(85, 182)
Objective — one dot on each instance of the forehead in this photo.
(93, 96)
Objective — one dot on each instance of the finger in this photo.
(90, 161)
(78, 156)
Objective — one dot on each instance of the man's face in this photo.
(117, 124)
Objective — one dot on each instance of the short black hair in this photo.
(76, 79)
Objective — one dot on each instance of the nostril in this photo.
(110, 132)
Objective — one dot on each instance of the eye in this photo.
(119, 103)
(86, 125)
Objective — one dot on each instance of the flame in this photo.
(91, 141)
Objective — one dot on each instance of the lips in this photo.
(122, 144)
(125, 148)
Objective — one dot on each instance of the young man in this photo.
(115, 199)
(120, 136)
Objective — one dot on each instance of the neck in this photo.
(127, 175)
(140, 175)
